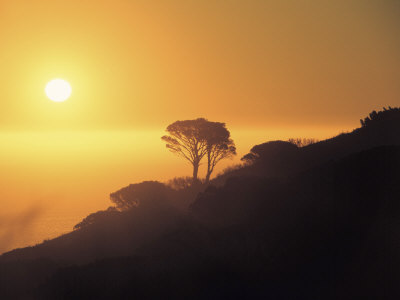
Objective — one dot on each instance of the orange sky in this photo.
(269, 69)
(139, 64)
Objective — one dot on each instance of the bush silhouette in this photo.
(144, 193)
(302, 142)
(386, 114)
(180, 183)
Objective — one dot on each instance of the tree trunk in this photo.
(195, 171)
(208, 176)
(208, 167)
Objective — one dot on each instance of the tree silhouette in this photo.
(219, 146)
(188, 139)
(194, 139)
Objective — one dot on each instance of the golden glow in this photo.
(58, 90)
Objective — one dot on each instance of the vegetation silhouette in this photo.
(195, 139)
(219, 146)
(180, 183)
(302, 142)
(386, 115)
(278, 157)
(312, 222)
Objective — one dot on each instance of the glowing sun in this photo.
(58, 90)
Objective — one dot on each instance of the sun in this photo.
(58, 90)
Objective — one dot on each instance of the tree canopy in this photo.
(219, 146)
(188, 140)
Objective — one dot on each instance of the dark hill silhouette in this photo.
(385, 131)
(328, 233)
(143, 212)
(112, 234)
(280, 159)
(324, 227)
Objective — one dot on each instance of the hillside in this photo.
(324, 227)
(281, 159)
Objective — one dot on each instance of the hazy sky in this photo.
(250, 63)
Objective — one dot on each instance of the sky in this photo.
(255, 63)
(269, 69)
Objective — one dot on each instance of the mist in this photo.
(14, 228)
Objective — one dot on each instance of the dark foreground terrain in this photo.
(318, 222)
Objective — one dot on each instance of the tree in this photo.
(188, 140)
(195, 139)
(219, 146)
